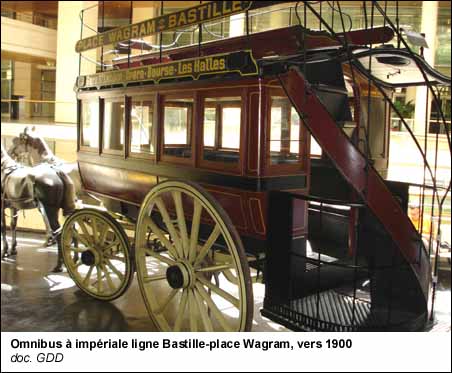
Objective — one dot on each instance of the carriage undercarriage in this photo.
(181, 265)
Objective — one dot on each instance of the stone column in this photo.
(67, 59)
(143, 11)
(428, 26)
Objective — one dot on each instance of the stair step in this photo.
(338, 312)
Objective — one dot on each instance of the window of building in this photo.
(285, 132)
(141, 123)
(114, 125)
(222, 126)
(436, 124)
(90, 123)
(177, 123)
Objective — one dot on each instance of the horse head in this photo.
(31, 143)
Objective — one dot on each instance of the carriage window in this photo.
(141, 118)
(114, 125)
(222, 121)
(90, 123)
(177, 127)
(285, 132)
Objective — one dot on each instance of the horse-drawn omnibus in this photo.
(205, 151)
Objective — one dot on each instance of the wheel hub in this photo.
(90, 258)
(179, 276)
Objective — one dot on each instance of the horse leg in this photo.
(4, 240)
(52, 214)
(14, 218)
(50, 238)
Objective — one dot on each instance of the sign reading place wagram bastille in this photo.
(240, 62)
(187, 17)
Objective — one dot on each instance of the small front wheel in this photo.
(96, 253)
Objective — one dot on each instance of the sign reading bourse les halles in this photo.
(187, 17)
(241, 62)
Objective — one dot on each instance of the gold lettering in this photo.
(226, 9)
(192, 16)
(237, 6)
(222, 64)
(150, 27)
(215, 11)
(126, 33)
(134, 32)
(172, 21)
(201, 10)
(182, 19)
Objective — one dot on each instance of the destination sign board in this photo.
(241, 62)
(187, 17)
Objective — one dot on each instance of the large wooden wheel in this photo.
(96, 254)
(185, 244)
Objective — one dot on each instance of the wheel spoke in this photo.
(77, 250)
(81, 238)
(99, 280)
(160, 257)
(217, 290)
(207, 245)
(75, 265)
(181, 312)
(177, 197)
(103, 234)
(147, 279)
(213, 307)
(203, 311)
(111, 245)
(166, 303)
(194, 233)
(82, 225)
(172, 231)
(95, 230)
(110, 283)
(88, 276)
(161, 236)
(192, 311)
(217, 268)
(114, 269)
(115, 257)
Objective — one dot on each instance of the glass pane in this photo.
(177, 124)
(230, 134)
(114, 127)
(141, 118)
(210, 121)
(90, 123)
(294, 131)
(222, 121)
(285, 132)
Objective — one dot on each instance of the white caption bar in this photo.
(113, 352)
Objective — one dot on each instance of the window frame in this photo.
(302, 165)
(161, 99)
(144, 97)
(81, 146)
(116, 98)
(235, 167)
